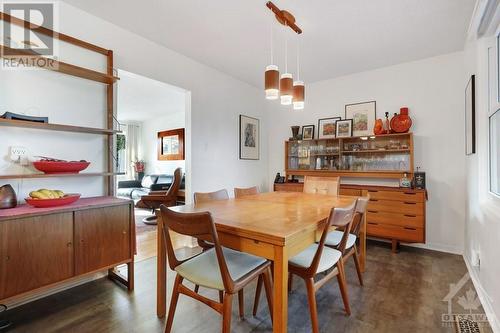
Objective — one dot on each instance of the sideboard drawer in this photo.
(403, 207)
(395, 232)
(398, 219)
(410, 196)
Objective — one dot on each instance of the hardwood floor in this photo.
(402, 293)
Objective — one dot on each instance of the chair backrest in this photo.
(359, 215)
(241, 192)
(175, 186)
(200, 197)
(195, 225)
(340, 217)
(322, 185)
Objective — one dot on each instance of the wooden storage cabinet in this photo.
(42, 247)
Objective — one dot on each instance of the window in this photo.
(495, 152)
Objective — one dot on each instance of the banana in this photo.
(59, 193)
(48, 194)
(37, 195)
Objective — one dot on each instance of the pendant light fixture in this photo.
(286, 81)
(272, 75)
(298, 86)
(284, 87)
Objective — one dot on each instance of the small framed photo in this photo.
(249, 138)
(363, 117)
(308, 132)
(327, 128)
(344, 128)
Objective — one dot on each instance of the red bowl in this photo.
(44, 203)
(60, 167)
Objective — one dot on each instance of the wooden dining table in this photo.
(275, 225)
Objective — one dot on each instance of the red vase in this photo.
(401, 123)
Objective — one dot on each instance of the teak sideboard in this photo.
(393, 213)
(41, 247)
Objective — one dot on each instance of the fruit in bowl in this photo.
(43, 198)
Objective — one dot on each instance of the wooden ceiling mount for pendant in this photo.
(284, 17)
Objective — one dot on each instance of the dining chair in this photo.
(241, 192)
(200, 197)
(334, 238)
(218, 268)
(322, 185)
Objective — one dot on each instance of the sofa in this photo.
(135, 189)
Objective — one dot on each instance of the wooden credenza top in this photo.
(26, 210)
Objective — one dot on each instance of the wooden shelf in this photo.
(56, 175)
(56, 127)
(376, 151)
(57, 66)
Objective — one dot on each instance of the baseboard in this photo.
(56, 289)
(427, 246)
(483, 297)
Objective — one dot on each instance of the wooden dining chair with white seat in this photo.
(240, 192)
(334, 238)
(322, 185)
(218, 268)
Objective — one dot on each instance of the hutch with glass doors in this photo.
(393, 213)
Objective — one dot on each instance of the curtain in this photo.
(132, 143)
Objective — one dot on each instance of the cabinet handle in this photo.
(408, 228)
(372, 191)
(373, 199)
(372, 223)
(410, 203)
(409, 193)
(69, 244)
(7, 258)
(408, 215)
(373, 211)
(124, 232)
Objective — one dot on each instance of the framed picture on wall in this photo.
(308, 132)
(249, 138)
(327, 128)
(171, 145)
(470, 117)
(344, 128)
(363, 117)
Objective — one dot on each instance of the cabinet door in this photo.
(102, 237)
(35, 252)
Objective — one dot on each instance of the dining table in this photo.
(274, 225)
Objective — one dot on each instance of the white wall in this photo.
(482, 232)
(150, 129)
(212, 123)
(433, 89)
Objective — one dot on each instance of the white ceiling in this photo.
(340, 36)
(140, 98)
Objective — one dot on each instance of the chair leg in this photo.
(196, 288)
(221, 296)
(257, 295)
(226, 313)
(343, 286)
(311, 297)
(173, 303)
(358, 265)
(241, 304)
(269, 291)
(290, 282)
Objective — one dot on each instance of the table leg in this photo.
(362, 245)
(161, 272)
(280, 291)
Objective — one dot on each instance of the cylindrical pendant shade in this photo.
(286, 89)
(272, 82)
(298, 95)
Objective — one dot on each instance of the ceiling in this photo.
(340, 36)
(140, 98)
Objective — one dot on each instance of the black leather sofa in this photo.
(135, 189)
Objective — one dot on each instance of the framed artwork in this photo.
(363, 117)
(249, 138)
(171, 145)
(470, 117)
(308, 132)
(327, 128)
(344, 128)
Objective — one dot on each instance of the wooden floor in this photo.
(402, 293)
